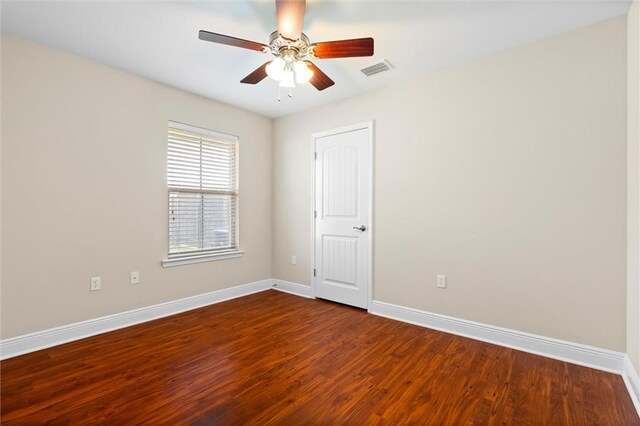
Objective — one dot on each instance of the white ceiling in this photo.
(159, 40)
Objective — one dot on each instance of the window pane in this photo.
(184, 219)
(219, 214)
(200, 163)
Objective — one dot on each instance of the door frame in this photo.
(369, 125)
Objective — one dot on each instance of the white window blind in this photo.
(202, 171)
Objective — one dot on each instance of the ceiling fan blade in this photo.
(344, 48)
(319, 79)
(231, 41)
(290, 15)
(257, 76)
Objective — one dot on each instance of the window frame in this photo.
(176, 259)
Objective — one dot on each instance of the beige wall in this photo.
(508, 174)
(633, 186)
(84, 189)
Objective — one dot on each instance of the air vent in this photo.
(377, 68)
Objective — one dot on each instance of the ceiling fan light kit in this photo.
(292, 50)
(288, 67)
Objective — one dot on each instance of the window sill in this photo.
(168, 263)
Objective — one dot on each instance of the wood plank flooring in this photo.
(274, 358)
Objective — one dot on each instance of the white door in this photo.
(342, 216)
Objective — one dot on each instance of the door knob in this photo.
(360, 228)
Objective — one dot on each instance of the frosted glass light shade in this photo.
(275, 69)
(303, 73)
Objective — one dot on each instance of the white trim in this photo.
(223, 137)
(292, 288)
(19, 345)
(312, 192)
(632, 380)
(588, 356)
(369, 125)
(343, 129)
(187, 260)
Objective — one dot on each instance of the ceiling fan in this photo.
(292, 50)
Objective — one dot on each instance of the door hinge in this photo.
(315, 214)
(315, 155)
(314, 272)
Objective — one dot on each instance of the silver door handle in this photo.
(360, 228)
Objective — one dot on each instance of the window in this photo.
(202, 178)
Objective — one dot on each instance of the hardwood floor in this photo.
(273, 358)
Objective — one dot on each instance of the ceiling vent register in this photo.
(377, 68)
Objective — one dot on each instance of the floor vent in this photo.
(377, 68)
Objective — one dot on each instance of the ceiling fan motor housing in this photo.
(283, 47)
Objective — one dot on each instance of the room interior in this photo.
(491, 272)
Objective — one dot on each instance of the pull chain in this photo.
(290, 94)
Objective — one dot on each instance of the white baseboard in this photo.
(632, 380)
(601, 359)
(292, 288)
(56, 336)
(588, 356)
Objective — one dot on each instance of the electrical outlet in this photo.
(442, 281)
(135, 277)
(95, 284)
(294, 260)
